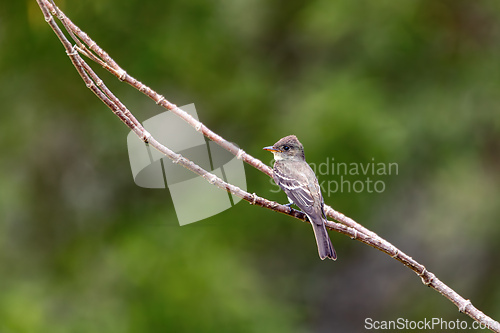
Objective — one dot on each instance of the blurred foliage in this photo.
(82, 249)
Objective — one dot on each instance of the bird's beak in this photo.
(270, 148)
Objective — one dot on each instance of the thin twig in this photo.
(86, 46)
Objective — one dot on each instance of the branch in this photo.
(347, 226)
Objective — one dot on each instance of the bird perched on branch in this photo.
(292, 173)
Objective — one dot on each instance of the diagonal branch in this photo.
(86, 46)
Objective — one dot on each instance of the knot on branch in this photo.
(161, 99)
(211, 179)
(240, 154)
(198, 126)
(426, 276)
(354, 233)
(73, 52)
(464, 306)
(254, 198)
(146, 136)
(122, 75)
(177, 158)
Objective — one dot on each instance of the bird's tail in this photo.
(325, 247)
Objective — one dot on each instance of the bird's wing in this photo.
(296, 186)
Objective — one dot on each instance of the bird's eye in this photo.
(286, 148)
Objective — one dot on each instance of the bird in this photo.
(296, 178)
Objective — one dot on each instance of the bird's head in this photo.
(287, 148)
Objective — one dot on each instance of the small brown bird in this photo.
(292, 173)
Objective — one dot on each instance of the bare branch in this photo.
(86, 46)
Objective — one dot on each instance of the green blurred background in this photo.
(417, 83)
